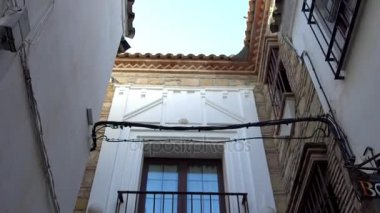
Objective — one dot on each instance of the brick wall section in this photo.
(85, 189)
(196, 80)
(308, 104)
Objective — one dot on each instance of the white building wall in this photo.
(72, 48)
(356, 98)
(120, 164)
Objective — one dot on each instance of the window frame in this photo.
(183, 165)
(279, 87)
(312, 190)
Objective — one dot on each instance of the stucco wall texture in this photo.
(70, 59)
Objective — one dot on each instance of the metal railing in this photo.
(332, 23)
(181, 202)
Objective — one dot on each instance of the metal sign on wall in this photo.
(368, 185)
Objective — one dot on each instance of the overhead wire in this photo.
(23, 53)
(340, 135)
(37, 124)
(180, 140)
(121, 124)
(247, 139)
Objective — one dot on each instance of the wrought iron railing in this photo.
(332, 23)
(181, 202)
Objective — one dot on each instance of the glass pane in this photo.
(149, 204)
(202, 179)
(170, 186)
(194, 186)
(161, 178)
(210, 186)
(210, 173)
(170, 172)
(170, 204)
(194, 204)
(154, 185)
(215, 205)
(195, 173)
(155, 172)
(198, 205)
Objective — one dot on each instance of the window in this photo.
(200, 180)
(330, 11)
(311, 191)
(278, 84)
(332, 22)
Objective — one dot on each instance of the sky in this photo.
(189, 26)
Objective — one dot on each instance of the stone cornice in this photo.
(169, 56)
(257, 24)
(257, 20)
(181, 64)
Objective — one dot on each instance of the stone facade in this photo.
(190, 80)
(289, 150)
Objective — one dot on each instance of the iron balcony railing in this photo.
(332, 23)
(181, 202)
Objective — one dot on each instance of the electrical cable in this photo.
(37, 124)
(36, 118)
(116, 124)
(339, 136)
(247, 139)
(339, 133)
(32, 102)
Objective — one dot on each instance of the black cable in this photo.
(112, 140)
(121, 124)
(340, 135)
(37, 124)
(334, 128)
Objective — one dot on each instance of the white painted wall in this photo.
(355, 99)
(70, 58)
(245, 165)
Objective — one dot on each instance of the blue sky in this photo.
(189, 26)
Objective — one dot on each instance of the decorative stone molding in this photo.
(181, 64)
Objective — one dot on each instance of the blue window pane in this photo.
(203, 205)
(210, 186)
(215, 206)
(155, 172)
(170, 172)
(202, 179)
(195, 173)
(194, 186)
(210, 173)
(193, 205)
(170, 186)
(154, 185)
(161, 204)
(161, 178)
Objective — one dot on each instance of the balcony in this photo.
(332, 23)
(178, 202)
